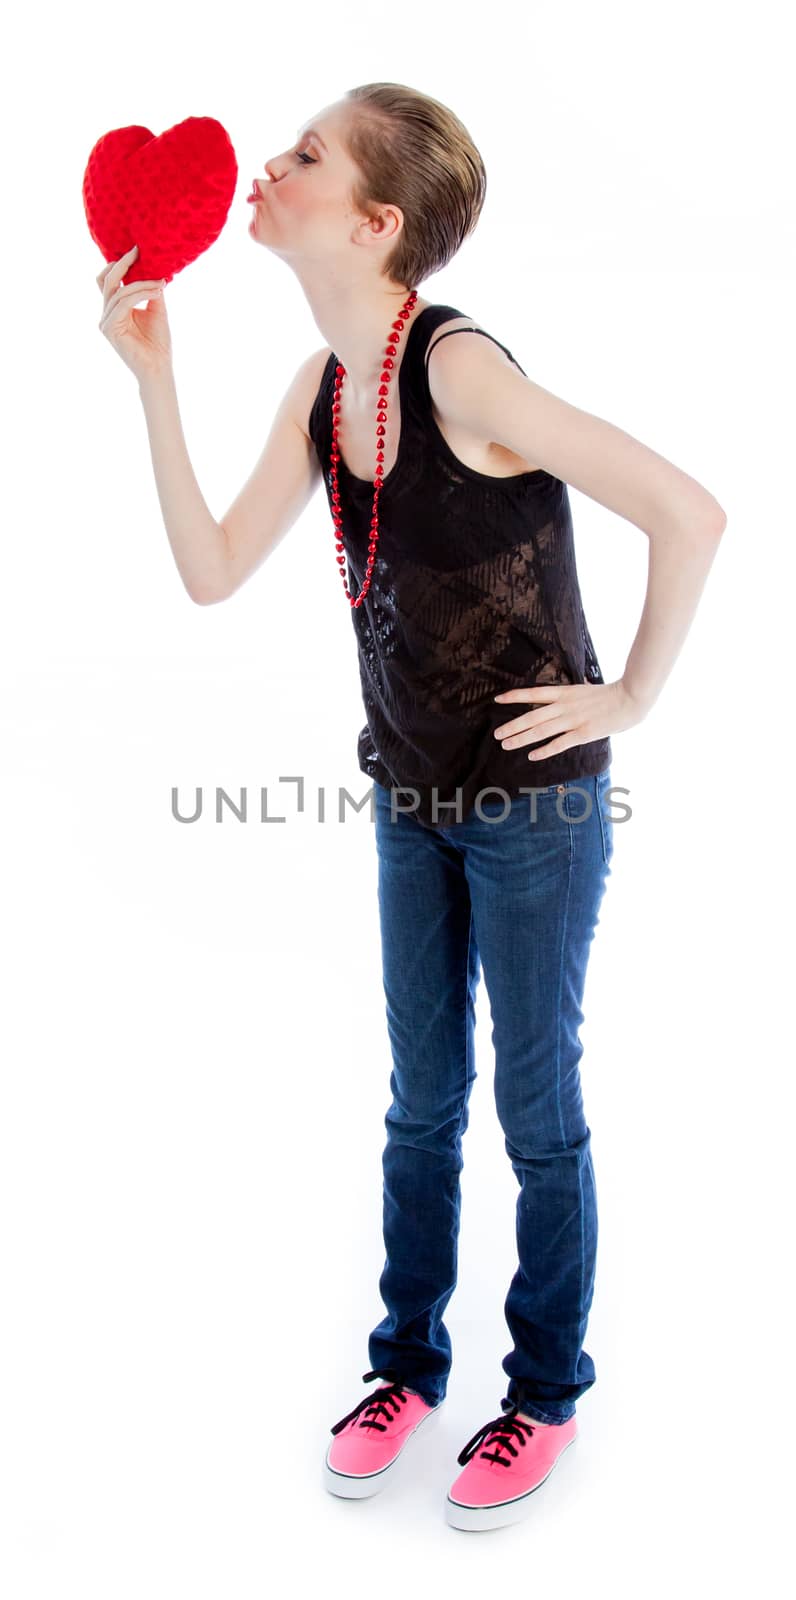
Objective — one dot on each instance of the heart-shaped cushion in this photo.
(169, 193)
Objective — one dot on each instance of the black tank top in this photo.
(474, 591)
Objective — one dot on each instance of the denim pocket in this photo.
(546, 789)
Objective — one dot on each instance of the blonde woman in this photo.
(488, 728)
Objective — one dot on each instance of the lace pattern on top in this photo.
(474, 590)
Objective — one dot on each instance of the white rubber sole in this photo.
(359, 1486)
(473, 1518)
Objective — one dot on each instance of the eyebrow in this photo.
(311, 131)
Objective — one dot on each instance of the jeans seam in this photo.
(560, 985)
(466, 1028)
(562, 958)
(603, 838)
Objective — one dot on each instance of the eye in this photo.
(303, 157)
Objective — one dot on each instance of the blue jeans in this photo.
(521, 895)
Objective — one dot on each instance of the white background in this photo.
(195, 1054)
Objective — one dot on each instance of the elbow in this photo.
(216, 584)
(716, 518)
(205, 597)
(697, 516)
(710, 521)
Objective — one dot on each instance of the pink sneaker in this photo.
(514, 1460)
(369, 1441)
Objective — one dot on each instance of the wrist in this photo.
(641, 700)
(155, 379)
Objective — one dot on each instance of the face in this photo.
(304, 212)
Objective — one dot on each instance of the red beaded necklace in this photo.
(381, 418)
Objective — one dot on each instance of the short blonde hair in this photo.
(414, 153)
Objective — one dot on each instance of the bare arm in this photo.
(473, 383)
(197, 541)
(282, 482)
(215, 558)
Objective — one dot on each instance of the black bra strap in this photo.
(472, 330)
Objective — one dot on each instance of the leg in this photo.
(431, 969)
(536, 888)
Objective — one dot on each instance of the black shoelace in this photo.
(503, 1432)
(393, 1395)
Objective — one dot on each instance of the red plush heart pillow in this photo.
(169, 194)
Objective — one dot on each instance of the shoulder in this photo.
(306, 384)
(452, 323)
(464, 362)
(455, 351)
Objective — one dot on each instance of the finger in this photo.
(557, 748)
(535, 726)
(101, 276)
(538, 693)
(115, 270)
(560, 726)
(125, 290)
(134, 293)
(508, 730)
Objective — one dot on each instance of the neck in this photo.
(355, 322)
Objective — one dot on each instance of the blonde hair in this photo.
(414, 153)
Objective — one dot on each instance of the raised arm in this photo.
(213, 558)
(281, 484)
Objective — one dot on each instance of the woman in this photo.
(488, 728)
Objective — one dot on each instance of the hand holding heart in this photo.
(576, 713)
(142, 338)
(153, 204)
